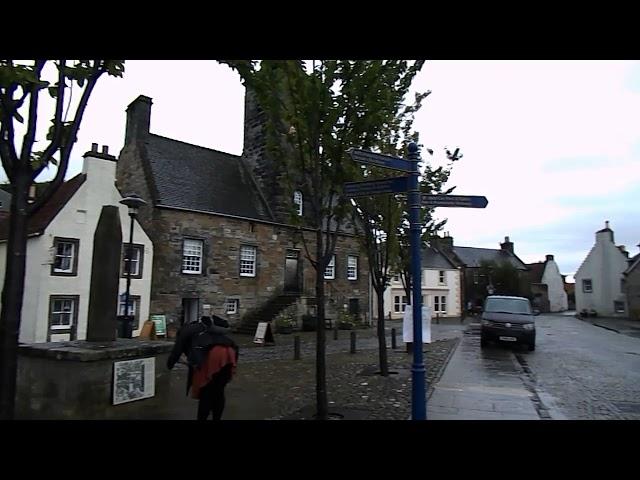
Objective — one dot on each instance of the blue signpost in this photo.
(410, 185)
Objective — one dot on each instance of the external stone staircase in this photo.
(265, 313)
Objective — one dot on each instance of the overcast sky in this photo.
(553, 145)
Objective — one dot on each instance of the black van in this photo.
(508, 319)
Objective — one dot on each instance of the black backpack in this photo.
(201, 343)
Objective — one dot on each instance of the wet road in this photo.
(578, 371)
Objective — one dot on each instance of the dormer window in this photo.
(297, 200)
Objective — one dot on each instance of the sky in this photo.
(553, 145)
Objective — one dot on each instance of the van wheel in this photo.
(531, 347)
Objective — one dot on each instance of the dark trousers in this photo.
(212, 395)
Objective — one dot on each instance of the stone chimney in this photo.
(507, 245)
(445, 242)
(606, 234)
(549, 258)
(138, 119)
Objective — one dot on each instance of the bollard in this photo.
(353, 342)
(296, 347)
(335, 332)
(393, 338)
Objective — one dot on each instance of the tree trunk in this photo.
(382, 340)
(12, 293)
(321, 371)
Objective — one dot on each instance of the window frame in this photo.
(298, 200)
(232, 301)
(182, 266)
(332, 265)
(63, 329)
(615, 306)
(137, 247)
(584, 285)
(74, 257)
(254, 261)
(133, 299)
(349, 257)
(442, 277)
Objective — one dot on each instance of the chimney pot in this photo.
(506, 239)
(606, 224)
(94, 147)
(549, 258)
(105, 149)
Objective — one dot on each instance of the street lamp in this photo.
(134, 202)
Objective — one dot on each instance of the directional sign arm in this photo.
(464, 201)
(379, 160)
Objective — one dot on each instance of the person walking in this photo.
(212, 358)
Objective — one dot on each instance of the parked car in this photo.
(508, 319)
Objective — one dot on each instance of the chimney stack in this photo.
(94, 147)
(549, 258)
(138, 119)
(105, 149)
(507, 245)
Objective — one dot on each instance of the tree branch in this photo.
(30, 135)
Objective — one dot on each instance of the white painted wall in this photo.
(430, 288)
(604, 266)
(78, 219)
(557, 296)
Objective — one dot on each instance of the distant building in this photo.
(631, 286)
(547, 286)
(60, 252)
(441, 288)
(476, 285)
(599, 278)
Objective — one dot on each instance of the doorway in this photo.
(190, 308)
(292, 272)
(354, 307)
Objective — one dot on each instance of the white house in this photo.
(441, 288)
(599, 278)
(60, 250)
(547, 275)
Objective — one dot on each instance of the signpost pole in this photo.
(418, 403)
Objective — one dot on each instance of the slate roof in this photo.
(197, 178)
(433, 258)
(537, 270)
(633, 263)
(43, 217)
(472, 256)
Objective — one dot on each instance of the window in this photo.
(587, 286)
(65, 256)
(297, 200)
(476, 278)
(440, 304)
(352, 267)
(231, 306)
(618, 306)
(137, 256)
(192, 256)
(134, 308)
(398, 304)
(247, 261)
(396, 278)
(442, 280)
(330, 271)
(63, 315)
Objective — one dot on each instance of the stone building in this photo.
(631, 286)
(547, 286)
(221, 229)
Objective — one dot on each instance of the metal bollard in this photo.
(393, 339)
(335, 332)
(353, 342)
(296, 347)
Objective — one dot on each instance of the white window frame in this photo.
(297, 200)
(71, 256)
(248, 258)
(192, 253)
(442, 277)
(330, 271)
(135, 261)
(231, 306)
(70, 313)
(440, 303)
(584, 289)
(443, 304)
(352, 270)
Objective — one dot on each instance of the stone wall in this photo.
(74, 380)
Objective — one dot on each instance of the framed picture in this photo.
(133, 380)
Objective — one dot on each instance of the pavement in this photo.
(271, 385)
(624, 326)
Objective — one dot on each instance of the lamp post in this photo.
(134, 202)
